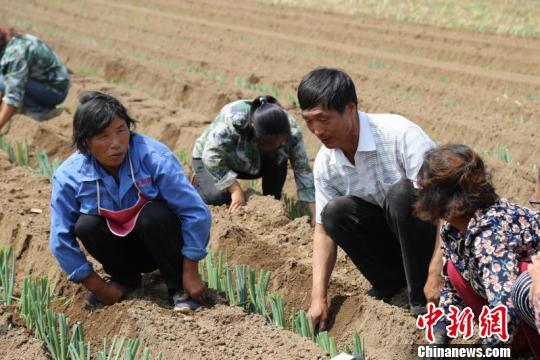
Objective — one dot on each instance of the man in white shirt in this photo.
(364, 190)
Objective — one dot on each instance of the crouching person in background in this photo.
(251, 140)
(33, 79)
(126, 198)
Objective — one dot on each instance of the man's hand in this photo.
(311, 209)
(237, 197)
(191, 280)
(324, 259)
(432, 288)
(435, 282)
(318, 312)
(107, 293)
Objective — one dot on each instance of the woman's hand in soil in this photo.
(191, 280)
(237, 197)
(318, 312)
(107, 293)
(432, 288)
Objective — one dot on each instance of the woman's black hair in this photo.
(96, 111)
(266, 120)
(6, 34)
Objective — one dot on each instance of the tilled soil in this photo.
(174, 64)
(17, 342)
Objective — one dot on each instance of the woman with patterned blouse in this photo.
(250, 140)
(33, 80)
(485, 238)
(534, 271)
(526, 291)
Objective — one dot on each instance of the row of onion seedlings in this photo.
(244, 287)
(20, 155)
(62, 341)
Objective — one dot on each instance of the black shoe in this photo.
(440, 333)
(417, 310)
(384, 294)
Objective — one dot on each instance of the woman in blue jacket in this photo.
(127, 200)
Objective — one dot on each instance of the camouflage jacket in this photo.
(27, 57)
(225, 152)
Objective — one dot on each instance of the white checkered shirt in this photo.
(389, 147)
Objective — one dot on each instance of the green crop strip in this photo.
(62, 341)
(7, 275)
(20, 155)
(245, 287)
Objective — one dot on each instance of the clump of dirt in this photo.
(17, 342)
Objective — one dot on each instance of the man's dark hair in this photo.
(326, 87)
(96, 111)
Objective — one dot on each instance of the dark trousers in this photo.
(38, 97)
(389, 245)
(154, 243)
(273, 178)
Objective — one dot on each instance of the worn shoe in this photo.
(91, 301)
(440, 333)
(417, 310)
(384, 294)
(183, 304)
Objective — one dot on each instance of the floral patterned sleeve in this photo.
(449, 295)
(498, 269)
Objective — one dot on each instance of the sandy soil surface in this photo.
(174, 64)
(17, 342)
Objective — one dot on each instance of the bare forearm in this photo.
(436, 263)
(234, 187)
(6, 112)
(324, 260)
(311, 209)
(190, 266)
(92, 281)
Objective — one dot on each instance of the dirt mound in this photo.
(17, 342)
(261, 235)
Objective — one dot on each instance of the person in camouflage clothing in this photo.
(250, 140)
(33, 80)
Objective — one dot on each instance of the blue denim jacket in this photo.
(158, 174)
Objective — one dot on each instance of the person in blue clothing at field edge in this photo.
(126, 198)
